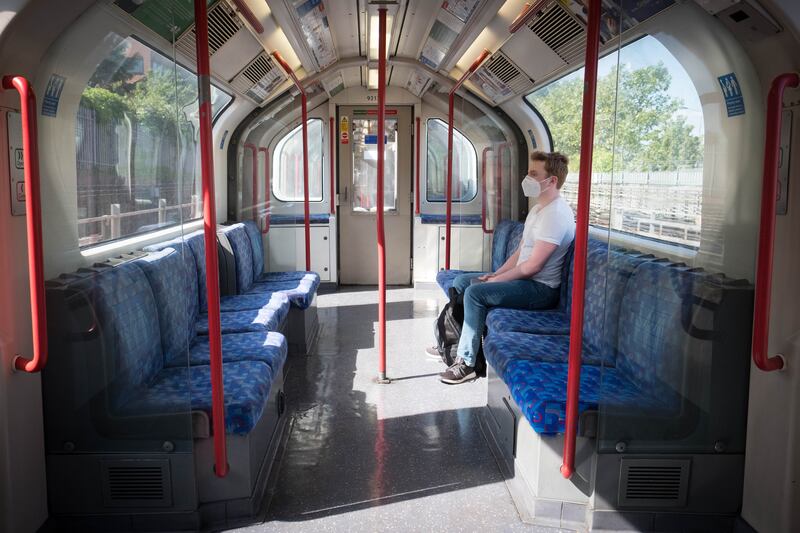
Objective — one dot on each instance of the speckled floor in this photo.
(362, 456)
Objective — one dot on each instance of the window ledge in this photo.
(663, 249)
(138, 241)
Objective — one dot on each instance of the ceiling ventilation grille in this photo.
(260, 67)
(259, 78)
(136, 483)
(222, 25)
(651, 482)
(504, 71)
(560, 31)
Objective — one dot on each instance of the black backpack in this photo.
(447, 329)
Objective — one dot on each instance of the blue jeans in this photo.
(478, 298)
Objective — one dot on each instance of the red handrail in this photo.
(267, 191)
(766, 234)
(416, 182)
(30, 148)
(379, 195)
(210, 236)
(254, 209)
(242, 8)
(483, 189)
(449, 188)
(526, 14)
(581, 238)
(304, 108)
(332, 143)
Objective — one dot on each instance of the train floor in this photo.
(363, 456)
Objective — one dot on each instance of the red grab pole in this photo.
(416, 183)
(766, 234)
(483, 189)
(267, 191)
(254, 208)
(332, 143)
(210, 234)
(449, 188)
(528, 12)
(581, 238)
(379, 194)
(304, 108)
(30, 148)
(249, 16)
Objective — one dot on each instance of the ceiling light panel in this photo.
(373, 35)
(313, 22)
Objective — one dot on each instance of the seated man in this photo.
(531, 277)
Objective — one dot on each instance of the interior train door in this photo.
(358, 159)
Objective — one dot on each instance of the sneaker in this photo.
(433, 352)
(459, 372)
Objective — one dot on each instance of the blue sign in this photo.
(373, 139)
(52, 94)
(732, 91)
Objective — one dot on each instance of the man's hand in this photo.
(486, 277)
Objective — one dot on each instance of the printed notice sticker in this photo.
(52, 94)
(732, 91)
(16, 163)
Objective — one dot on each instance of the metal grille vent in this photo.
(507, 72)
(258, 79)
(560, 31)
(222, 25)
(129, 483)
(653, 483)
(260, 67)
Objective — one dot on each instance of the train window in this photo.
(465, 165)
(288, 164)
(653, 162)
(365, 165)
(136, 138)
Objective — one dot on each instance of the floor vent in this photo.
(136, 483)
(560, 31)
(653, 482)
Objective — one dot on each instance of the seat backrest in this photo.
(194, 246)
(243, 255)
(500, 241)
(254, 234)
(514, 238)
(127, 322)
(175, 291)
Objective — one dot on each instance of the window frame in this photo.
(275, 155)
(427, 173)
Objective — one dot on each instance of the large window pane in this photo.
(465, 165)
(655, 153)
(288, 164)
(365, 165)
(136, 139)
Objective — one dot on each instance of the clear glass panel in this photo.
(135, 139)
(465, 164)
(288, 164)
(365, 161)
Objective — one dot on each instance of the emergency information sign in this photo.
(16, 163)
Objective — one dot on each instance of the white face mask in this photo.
(531, 187)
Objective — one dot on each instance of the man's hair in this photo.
(555, 163)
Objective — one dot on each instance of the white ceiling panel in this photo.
(419, 19)
(343, 18)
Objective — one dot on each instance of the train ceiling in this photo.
(332, 43)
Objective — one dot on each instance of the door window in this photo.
(365, 165)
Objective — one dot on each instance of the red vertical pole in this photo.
(581, 238)
(416, 183)
(267, 191)
(33, 223)
(449, 185)
(332, 143)
(380, 194)
(210, 234)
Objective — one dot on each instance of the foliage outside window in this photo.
(288, 164)
(136, 145)
(465, 165)
(648, 142)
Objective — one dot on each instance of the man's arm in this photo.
(542, 251)
(508, 265)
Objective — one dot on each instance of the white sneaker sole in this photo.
(472, 376)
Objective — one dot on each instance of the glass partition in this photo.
(365, 161)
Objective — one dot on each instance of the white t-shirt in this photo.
(554, 223)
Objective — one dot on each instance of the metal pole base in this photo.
(382, 379)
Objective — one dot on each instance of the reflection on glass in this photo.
(365, 165)
(465, 165)
(288, 163)
(657, 153)
(136, 139)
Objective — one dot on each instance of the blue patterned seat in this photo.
(445, 278)
(270, 348)
(246, 385)
(539, 389)
(547, 322)
(264, 318)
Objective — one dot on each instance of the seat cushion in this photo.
(548, 322)
(266, 347)
(263, 319)
(503, 347)
(242, 302)
(540, 390)
(300, 292)
(246, 385)
(445, 278)
(292, 275)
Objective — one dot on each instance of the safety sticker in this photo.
(344, 130)
(732, 91)
(52, 94)
(16, 163)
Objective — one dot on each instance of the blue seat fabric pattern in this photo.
(446, 278)
(300, 292)
(263, 319)
(267, 347)
(461, 220)
(547, 322)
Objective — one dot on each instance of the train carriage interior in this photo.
(219, 296)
